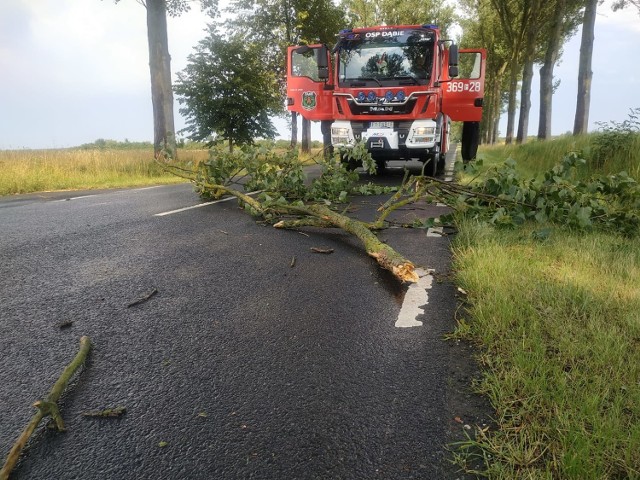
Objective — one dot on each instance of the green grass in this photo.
(25, 171)
(536, 156)
(558, 324)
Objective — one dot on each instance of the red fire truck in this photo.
(395, 88)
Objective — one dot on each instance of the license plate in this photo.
(381, 125)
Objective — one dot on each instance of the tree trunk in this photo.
(511, 109)
(230, 143)
(164, 138)
(546, 72)
(528, 58)
(294, 129)
(327, 148)
(497, 107)
(306, 135)
(525, 100)
(585, 74)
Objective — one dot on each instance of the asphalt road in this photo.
(242, 365)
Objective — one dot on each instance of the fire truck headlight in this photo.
(422, 131)
(340, 136)
(339, 132)
(422, 135)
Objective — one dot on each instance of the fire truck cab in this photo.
(396, 88)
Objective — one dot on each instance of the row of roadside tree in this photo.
(235, 80)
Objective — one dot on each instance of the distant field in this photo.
(25, 171)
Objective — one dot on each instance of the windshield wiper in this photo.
(370, 78)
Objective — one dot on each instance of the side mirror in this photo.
(323, 64)
(453, 60)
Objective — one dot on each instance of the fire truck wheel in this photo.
(381, 166)
(348, 163)
(441, 163)
(470, 139)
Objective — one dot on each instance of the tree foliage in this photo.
(277, 24)
(559, 196)
(366, 13)
(227, 91)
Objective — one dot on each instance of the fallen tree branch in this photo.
(47, 407)
(386, 256)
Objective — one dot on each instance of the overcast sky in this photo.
(73, 71)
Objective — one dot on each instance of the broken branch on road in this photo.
(47, 407)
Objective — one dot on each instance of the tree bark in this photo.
(511, 109)
(546, 72)
(306, 135)
(585, 74)
(294, 129)
(325, 128)
(164, 138)
(386, 257)
(525, 101)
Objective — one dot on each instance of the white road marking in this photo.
(76, 198)
(434, 232)
(147, 188)
(414, 300)
(171, 212)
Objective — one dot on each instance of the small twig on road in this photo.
(143, 299)
(47, 406)
(293, 262)
(321, 250)
(109, 412)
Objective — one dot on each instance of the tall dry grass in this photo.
(25, 171)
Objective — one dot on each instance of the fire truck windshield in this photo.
(386, 58)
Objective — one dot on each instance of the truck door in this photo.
(462, 96)
(309, 82)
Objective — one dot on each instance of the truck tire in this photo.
(349, 164)
(470, 140)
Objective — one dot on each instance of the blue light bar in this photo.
(429, 25)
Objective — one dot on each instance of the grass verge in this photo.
(558, 321)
